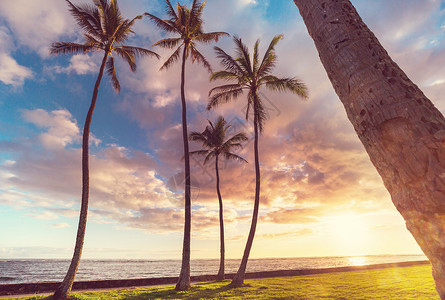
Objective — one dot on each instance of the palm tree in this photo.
(187, 23)
(104, 30)
(251, 75)
(401, 130)
(213, 139)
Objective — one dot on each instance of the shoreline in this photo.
(47, 287)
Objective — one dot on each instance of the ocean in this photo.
(53, 270)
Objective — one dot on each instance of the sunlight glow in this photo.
(349, 232)
(358, 260)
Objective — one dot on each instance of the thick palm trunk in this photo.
(65, 287)
(221, 274)
(239, 276)
(184, 276)
(402, 131)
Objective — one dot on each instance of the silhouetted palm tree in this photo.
(251, 75)
(104, 30)
(187, 23)
(217, 144)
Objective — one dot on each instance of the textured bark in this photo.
(241, 274)
(402, 131)
(184, 276)
(65, 287)
(221, 274)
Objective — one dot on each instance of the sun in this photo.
(349, 233)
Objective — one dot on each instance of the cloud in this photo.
(124, 183)
(291, 216)
(310, 156)
(11, 72)
(312, 162)
(79, 64)
(61, 225)
(296, 233)
(61, 129)
(37, 23)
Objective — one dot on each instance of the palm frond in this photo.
(113, 19)
(267, 65)
(92, 41)
(269, 58)
(224, 97)
(128, 56)
(210, 156)
(194, 18)
(256, 57)
(198, 137)
(237, 138)
(286, 84)
(194, 13)
(181, 21)
(228, 155)
(228, 62)
(201, 8)
(224, 75)
(162, 24)
(197, 56)
(172, 59)
(70, 48)
(170, 11)
(124, 30)
(168, 43)
(243, 57)
(224, 88)
(199, 152)
(209, 37)
(138, 51)
(112, 72)
(101, 6)
(84, 16)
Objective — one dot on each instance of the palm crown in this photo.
(251, 74)
(187, 23)
(104, 29)
(213, 139)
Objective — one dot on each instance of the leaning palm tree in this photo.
(104, 30)
(187, 23)
(401, 130)
(215, 144)
(251, 75)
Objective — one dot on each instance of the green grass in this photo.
(392, 283)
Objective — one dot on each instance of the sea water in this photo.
(53, 270)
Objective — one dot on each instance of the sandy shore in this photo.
(25, 289)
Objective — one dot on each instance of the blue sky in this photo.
(320, 195)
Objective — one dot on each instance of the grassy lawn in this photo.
(392, 283)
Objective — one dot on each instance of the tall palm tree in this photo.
(216, 144)
(401, 130)
(251, 75)
(104, 30)
(187, 23)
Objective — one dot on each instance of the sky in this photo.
(320, 194)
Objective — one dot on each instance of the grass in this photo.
(392, 283)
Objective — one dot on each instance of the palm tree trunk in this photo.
(238, 279)
(221, 274)
(184, 276)
(65, 287)
(402, 131)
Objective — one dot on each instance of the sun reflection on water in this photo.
(358, 260)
